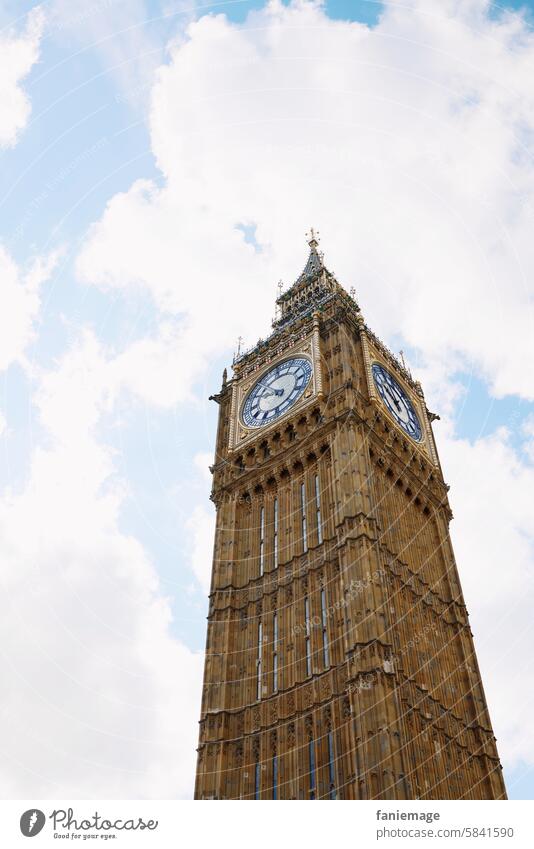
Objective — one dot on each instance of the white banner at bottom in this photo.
(502, 825)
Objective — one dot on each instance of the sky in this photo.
(160, 163)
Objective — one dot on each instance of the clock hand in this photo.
(265, 386)
(269, 389)
(392, 397)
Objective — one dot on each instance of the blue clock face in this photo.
(397, 402)
(276, 392)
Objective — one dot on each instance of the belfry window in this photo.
(331, 767)
(258, 661)
(303, 514)
(262, 539)
(275, 539)
(308, 634)
(324, 618)
(318, 510)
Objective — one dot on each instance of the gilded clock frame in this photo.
(426, 443)
(240, 434)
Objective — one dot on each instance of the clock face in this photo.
(276, 392)
(397, 402)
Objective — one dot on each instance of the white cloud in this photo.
(122, 34)
(136, 245)
(203, 461)
(493, 535)
(19, 52)
(20, 303)
(201, 526)
(408, 145)
(152, 367)
(98, 692)
(528, 433)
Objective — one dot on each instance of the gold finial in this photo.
(313, 238)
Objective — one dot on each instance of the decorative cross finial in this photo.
(352, 292)
(239, 341)
(402, 358)
(313, 238)
(280, 286)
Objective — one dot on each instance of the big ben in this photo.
(339, 658)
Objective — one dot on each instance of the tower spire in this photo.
(313, 239)
(314, 265)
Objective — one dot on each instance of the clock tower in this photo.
(339, 659)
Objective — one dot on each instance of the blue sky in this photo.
(400, 140)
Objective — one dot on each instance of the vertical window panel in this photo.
(308, 635)
(262, 539)
(275, 653)
(257, 781)
(324, 619)
(311, 755)
(303, 513)
(331, 766)
(318, 510)
(275, 540)
(258, 661)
